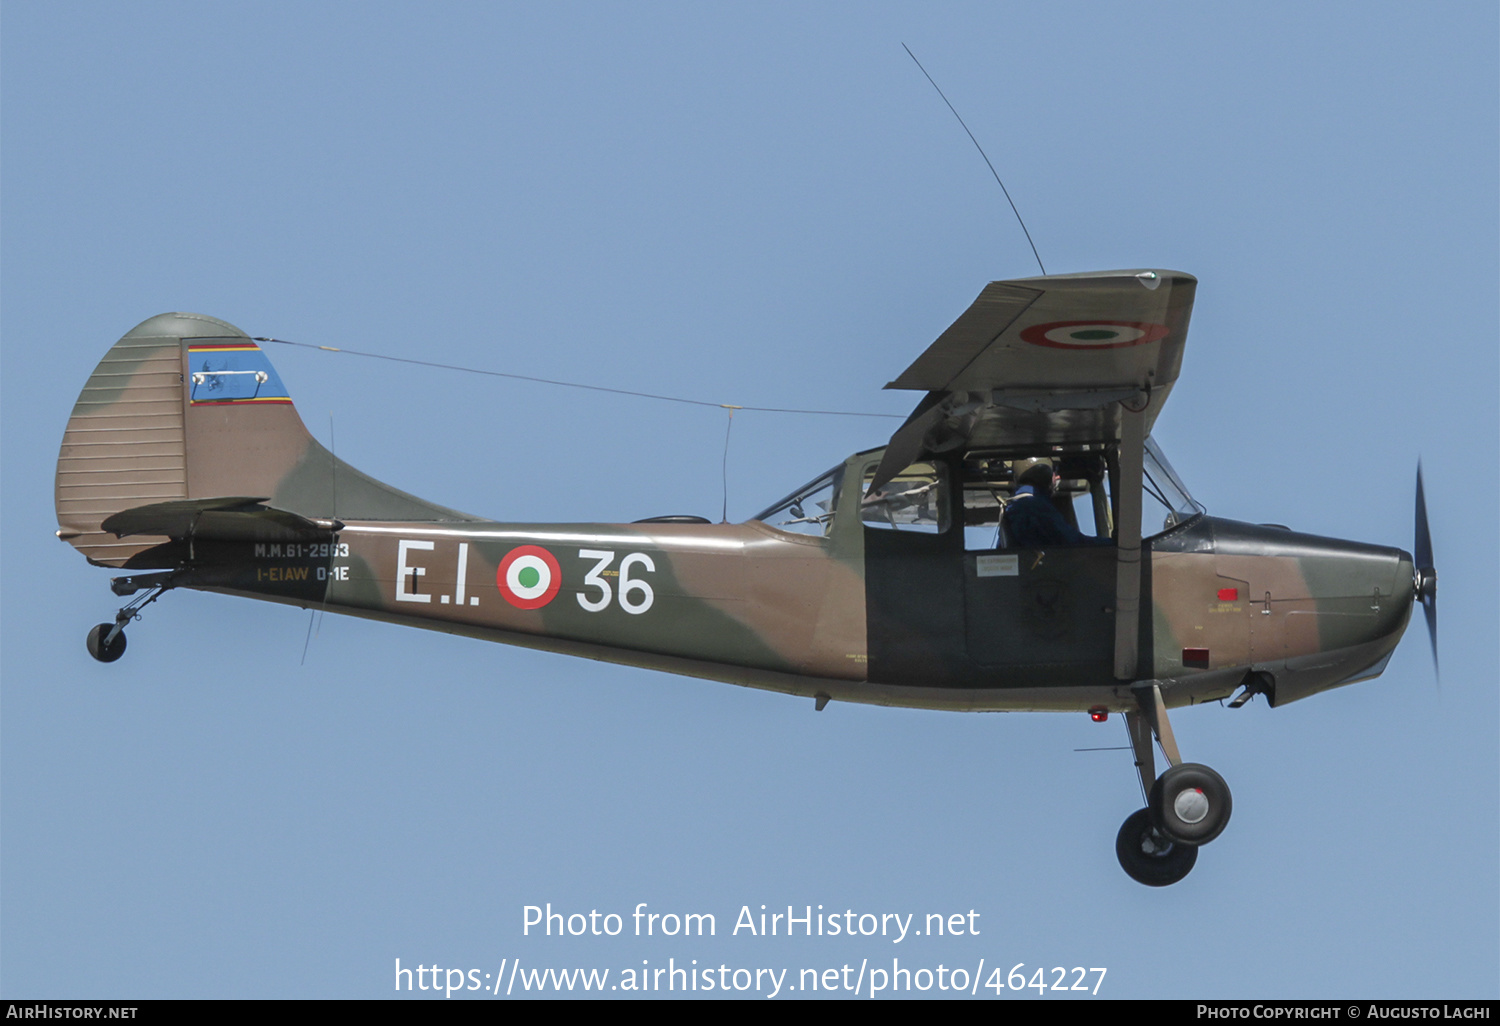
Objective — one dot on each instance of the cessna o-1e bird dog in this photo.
(893, 579)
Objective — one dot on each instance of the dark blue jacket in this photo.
(1032, 522)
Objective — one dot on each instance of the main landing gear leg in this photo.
(1187, 806)
(106, 641)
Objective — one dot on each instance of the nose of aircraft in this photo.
(1406, 571)
(1326, 611)
(1370, 587)
(1361, 600)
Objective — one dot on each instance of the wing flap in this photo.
(956, 349)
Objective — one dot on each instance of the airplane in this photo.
(900, 577)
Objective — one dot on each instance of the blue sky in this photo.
(764, 205)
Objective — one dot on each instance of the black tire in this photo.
(1190, 803)
(97, 647)
(1149, 858)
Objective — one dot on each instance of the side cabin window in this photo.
(1084, 496)
(1081, 496)
(914, 500)
(975, 489)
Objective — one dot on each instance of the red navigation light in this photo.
(1098, 714)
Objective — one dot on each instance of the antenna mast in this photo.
(982, 154)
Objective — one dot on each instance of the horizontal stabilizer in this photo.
(234, 518)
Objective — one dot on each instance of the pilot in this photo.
(1032, 521)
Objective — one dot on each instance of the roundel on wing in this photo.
(1093, 334)
(529, 577)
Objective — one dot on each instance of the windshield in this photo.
(1164, 495)
(808, 510)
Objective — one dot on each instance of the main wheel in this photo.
(106, 653)
(1190, 803)
(1150, 858)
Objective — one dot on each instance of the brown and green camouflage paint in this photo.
(186, 409)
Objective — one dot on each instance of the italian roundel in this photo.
(1092, 334)
(529, 577)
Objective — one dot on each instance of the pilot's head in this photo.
(1040, 476)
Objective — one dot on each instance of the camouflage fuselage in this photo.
(748, 604)
(185, 454)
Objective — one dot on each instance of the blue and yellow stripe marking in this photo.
(225, 373)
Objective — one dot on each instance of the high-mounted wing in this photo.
(1046, 361)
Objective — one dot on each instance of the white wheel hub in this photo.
(1191, 806)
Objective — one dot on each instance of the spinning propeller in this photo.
(1426, 573)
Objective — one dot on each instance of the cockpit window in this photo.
(914, 500)
(1081, 498)
(918, 498)
(1085, 495)
(808, 510)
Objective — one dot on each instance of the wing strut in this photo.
(1128, 540)
(1149, 719)
(1140, 743)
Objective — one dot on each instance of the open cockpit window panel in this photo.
(990, 481)
(809, 510)
(914, 500)
(987, 487)
(1166, 499)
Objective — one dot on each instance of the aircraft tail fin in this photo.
(186, 408)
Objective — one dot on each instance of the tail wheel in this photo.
(1190, 804)
(1148, 856)
(106, 653)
